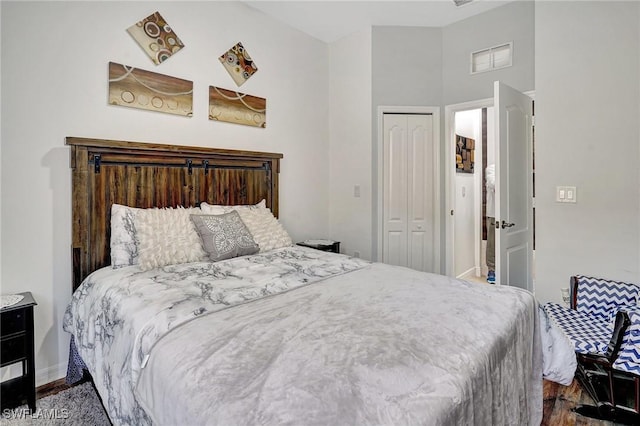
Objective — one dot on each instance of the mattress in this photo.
(301, 336)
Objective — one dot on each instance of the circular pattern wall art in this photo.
(235, 107)
(135, 88)
(156, 37)
(238, 63)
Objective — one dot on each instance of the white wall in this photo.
(406, 66)
(587, 135)
(436, 73)
(513, 22)
(54, 84)
(350, 135)
(400, 79)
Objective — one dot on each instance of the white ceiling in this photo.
(331, 20)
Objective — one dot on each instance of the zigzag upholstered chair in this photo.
(603, 324)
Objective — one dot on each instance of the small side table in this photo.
(16, 345)
(324, 245)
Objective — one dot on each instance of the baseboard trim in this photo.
(51, 388)
(468, 271)
(45, 376)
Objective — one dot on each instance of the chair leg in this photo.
(636, 381)
(606, 410)
(589, 381)
(609, 413)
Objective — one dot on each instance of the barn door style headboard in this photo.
(146, 175)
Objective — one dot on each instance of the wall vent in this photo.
(493, 58)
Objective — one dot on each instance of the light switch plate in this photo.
(566, 194)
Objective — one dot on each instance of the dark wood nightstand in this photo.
(16, 345)
(324, 245)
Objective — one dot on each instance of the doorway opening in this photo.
(475, 147)
(471, 144)
(464, 190)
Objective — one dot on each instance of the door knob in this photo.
(507, 225)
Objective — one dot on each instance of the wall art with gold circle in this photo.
(238, 64)
(235, 107)
(156, 38)
(135, 88)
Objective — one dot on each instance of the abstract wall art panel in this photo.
(136, 88)
(156, 37)
(238, 64)
(234, 107)
(465, 158)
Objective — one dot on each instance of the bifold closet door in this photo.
(408, 193)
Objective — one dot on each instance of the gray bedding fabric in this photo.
(299, 336)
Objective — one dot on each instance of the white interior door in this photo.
(420, 193)
(514, 187)
(408, 191)
(395, 166)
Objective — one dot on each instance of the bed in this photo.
(284, 335)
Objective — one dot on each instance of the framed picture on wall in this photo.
(235, 107)
(156, 38)
(136, 88)
(465, 148)
(238, 64)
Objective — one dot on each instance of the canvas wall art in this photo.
(238, 64)
(465, 148)
(156, 38)
(234, 107)
(136, 88)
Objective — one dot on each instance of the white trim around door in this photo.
(450, 172)
(435, 112)
(450, 176)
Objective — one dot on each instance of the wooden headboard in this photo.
(146, 175)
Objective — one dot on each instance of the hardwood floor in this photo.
(558, 402)
(51, 388)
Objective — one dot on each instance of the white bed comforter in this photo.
(362, 344)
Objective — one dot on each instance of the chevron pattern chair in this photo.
(603, 324)
(629, 357)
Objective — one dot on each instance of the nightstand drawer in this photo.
(13, 322)
(14, 349)
(17, 346)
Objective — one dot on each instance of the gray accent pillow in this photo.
(224, 236)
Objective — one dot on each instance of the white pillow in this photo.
(124, 250)
(167, 237)
(266, 230)
(222, 209)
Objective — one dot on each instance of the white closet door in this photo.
(408, 229)
(420, 192)
(395, 190)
